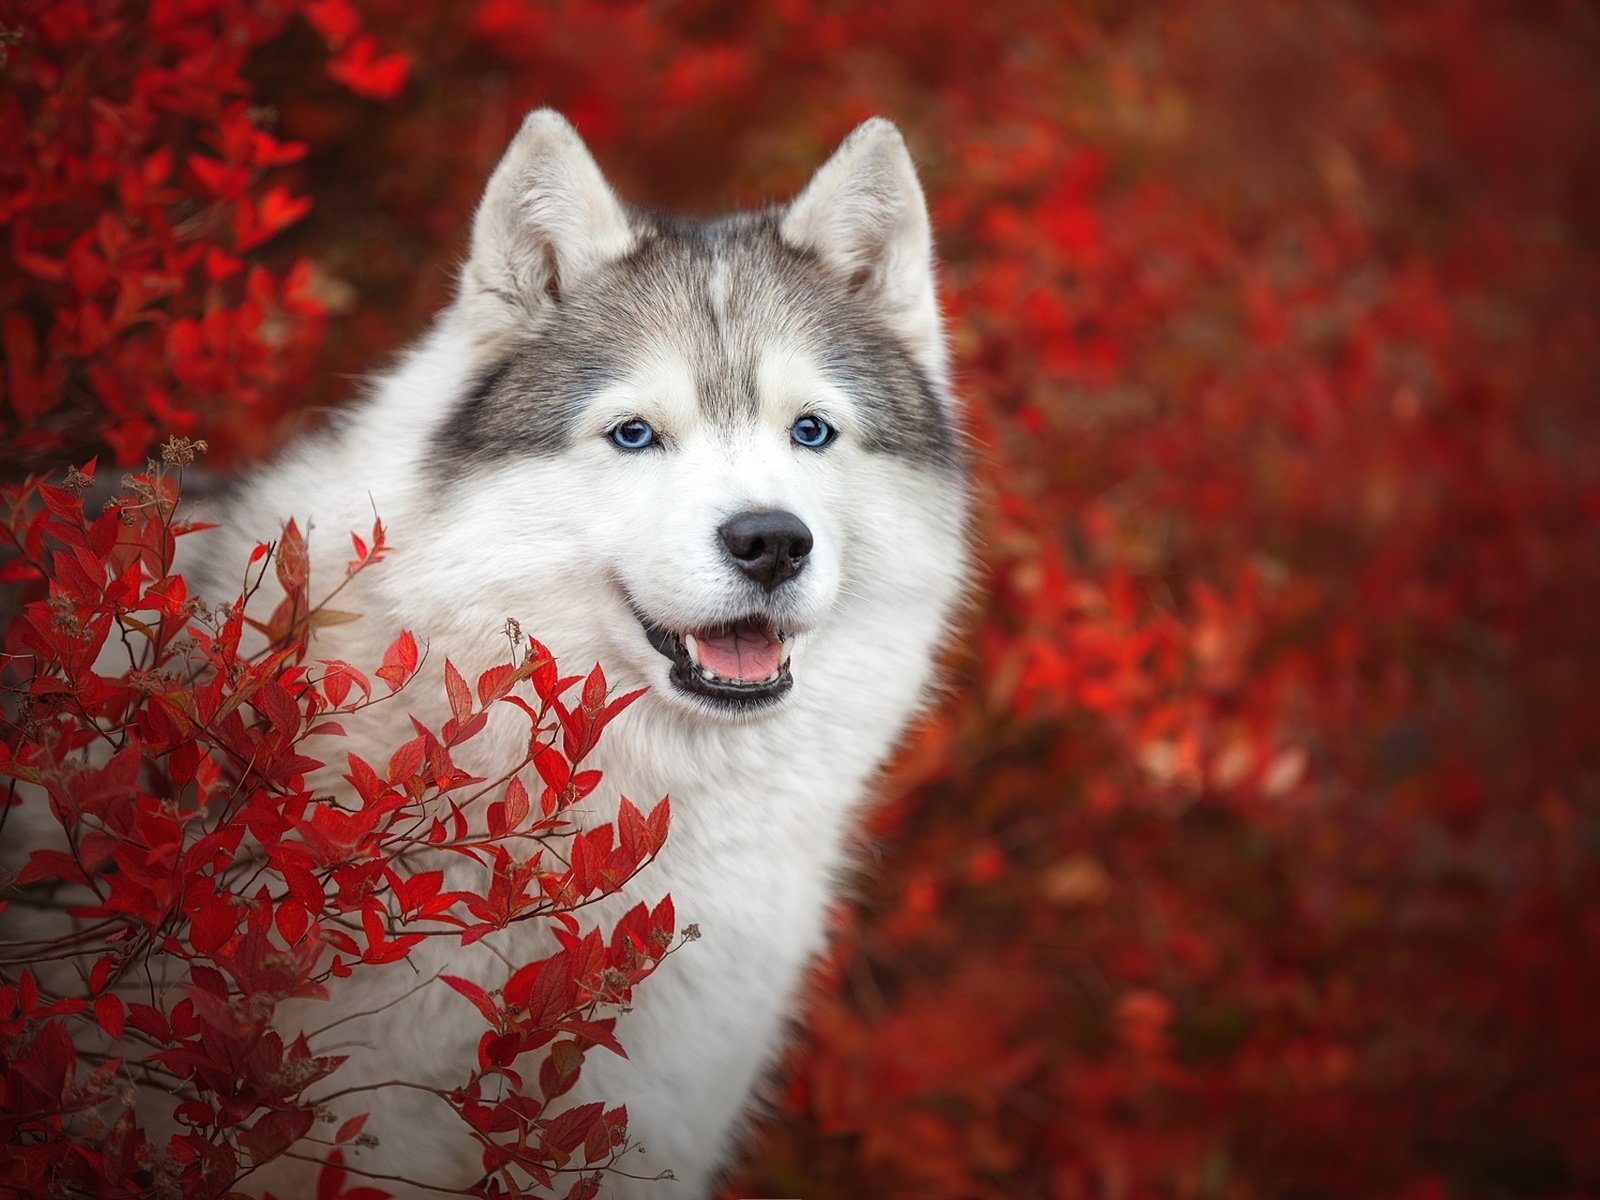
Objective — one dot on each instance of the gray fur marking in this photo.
(720, 291)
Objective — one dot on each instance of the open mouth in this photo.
(743, 662)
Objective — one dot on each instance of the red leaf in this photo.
(359, 67)
(552, 767)
(597, 1142)
(225, 181)
(338, 678)
(101, 972)
(399, 661)
(221, 265)
(658, 820)
(337, 21)
(291, 563)
(51, 864)
(494, 682)
(517, 804)
(392, 951)
(406, 761)
(559, 1070)
(594, 690)
(108, 1012)
(276, 1132)
(212, 925)
(277, 210)
(456, 689)
(291, 920)
(149, 1020)
(567, 1130)
(632, 835)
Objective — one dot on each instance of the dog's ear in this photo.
(547, 219)
(863, 214)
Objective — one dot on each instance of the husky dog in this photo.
(722, 459)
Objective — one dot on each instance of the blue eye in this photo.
(634, 435)
(812, 432)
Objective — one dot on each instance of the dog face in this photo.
(707, 440)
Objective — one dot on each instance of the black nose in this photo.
(769, 546)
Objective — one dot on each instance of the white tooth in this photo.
(693, 647)
(788, 648)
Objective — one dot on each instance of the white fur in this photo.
(763, 805)
(547, 219)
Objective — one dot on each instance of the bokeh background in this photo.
(1256, 852)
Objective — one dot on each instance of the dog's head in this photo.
(706, 440)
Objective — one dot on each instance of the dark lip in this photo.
(686, 677)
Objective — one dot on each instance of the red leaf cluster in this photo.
(163, 775)
(139, 186)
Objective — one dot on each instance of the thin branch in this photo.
(371, 1012)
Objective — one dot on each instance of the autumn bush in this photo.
(1255, 852)
(201, 867)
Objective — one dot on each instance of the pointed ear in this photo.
(547, 219)
(863, 214)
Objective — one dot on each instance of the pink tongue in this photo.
(749, 655)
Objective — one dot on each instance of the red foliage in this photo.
(199, 862)
(1257, 857)
(137, 183)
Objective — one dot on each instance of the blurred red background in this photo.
(1257, 850)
